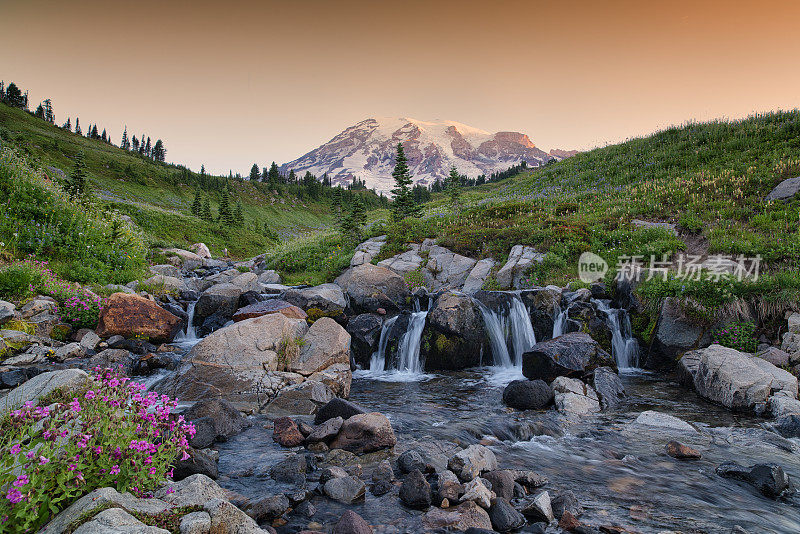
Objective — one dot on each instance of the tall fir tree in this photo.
(197, 204)
(49, 115)
(135, 143)
(68, 125)
(206, 213)
(78, 125)
(453, 187)
(404, 205)
(238, 214)
(225, 213)
(159, 153)
(126, 143)
(76, 183)
(274, 175)
(255, 173)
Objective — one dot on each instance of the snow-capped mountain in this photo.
(367, 150)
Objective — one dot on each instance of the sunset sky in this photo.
(236, 82)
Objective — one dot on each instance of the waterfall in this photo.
(378, 360)
(408, 348)
(189, 336)
(624, 346)
(560, 320)
(512, 325)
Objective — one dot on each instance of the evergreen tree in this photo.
(141, 145)
(159, 153)
(206, 213)
(94, 134)
(78, 126)
(338, 206)
(76, 183)
(202, 170)
(274, 175)
(14, 96)
(197, 204)
(135, 144)
(148, 148)
(68, 125)
(238, 214)
(453, 187)
(39, 113)
(255, 173)
(49, 115)
(225, 213)
(404, 205)
(125, 144)
(103, 136)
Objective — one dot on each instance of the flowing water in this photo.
(188, 338)
(624, 346)
(560, 321)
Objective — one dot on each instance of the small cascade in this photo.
(189, 336)
(510, 333)
(560, 321)
(378, 360)
(409, 347)
(624, 346)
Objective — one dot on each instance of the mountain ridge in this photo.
(367, 149)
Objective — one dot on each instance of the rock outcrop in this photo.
(131, 315)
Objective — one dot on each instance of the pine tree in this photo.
(238, 214)
(135, 144)
(148, 148)
(125, 144)
(404, 205)
(78, 126)
(39, 113)
(225, 213)
(255, 173)
(453, 187)
(202, 170)
(274, 175)
(103, 136)
(206, 213)
(94, 134)
(14, 96)
(338, 206)
(68, 125)
(197, 204)
(49, 115)
(76, 183)
(159, 153)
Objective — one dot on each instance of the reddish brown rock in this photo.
(268, 307)
(680, 451)
(286, 433)
(366, 432)
(131, 315)
(568, 522)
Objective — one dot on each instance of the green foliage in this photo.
(312, 261)
(740, 336)
(400, 234)
(51, 456)
(452, 186)
(690, 221)
(17, 280)
(414, 279)
(80, 311)
(315, 313)
(403, 205)
(76, 184)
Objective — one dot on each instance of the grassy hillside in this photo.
(158, 196)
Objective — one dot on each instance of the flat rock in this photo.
(363, 433)
(346, 490)
(67, 380)
(267, 307)
(117, 521)
(459, 518)
(571, 354)
(131, 315)
(655, 419)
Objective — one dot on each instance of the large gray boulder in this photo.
(454, 333)
(365, 332)
(328, 298)
(222, 298)
(117, 521)
(784, 190)
(575, 397)
(363, 433)
(478, 275)
(370, 287)
(572, 354)
(738, 380)
(445, 269)
(675, 334)
(235, 362)
(367, 250)
(544, 304)
(67, 380)
(520, 260)
(326, 343)
(247, 282)
(405, 262)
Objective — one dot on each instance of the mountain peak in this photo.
(367, 150)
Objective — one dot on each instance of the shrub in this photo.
(414, 279)
(17, 280)
(740, 336)
(81, 310)
(112, 435)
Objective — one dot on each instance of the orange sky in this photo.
(236, 82)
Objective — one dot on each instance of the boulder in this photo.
(363, 433)
(201, 250)
(608, 387)
(269, 277)
(337, 408)
(737, 380)
(367, 250)
(285, 433)
(247, 282)
(520, 260)
(221, 298)
(782, 404)
(504, 517)
(784, 190)
(572, 354)
(538, 508)
(290, 470)
(200, 461)
(573, 396)
(303, 398)
(116, 521)
(328, 298)
(326, 343)
(528, 395)
(566, 501)
(788, 425)
(370, 287)
(163, 283)
(651, 418)
(337, 377)
(459, 518)
(775, 356)
(195, 490)
(478, 275)
(675, 334)
(454, 333)
(351, 523)
(415, 492)
(228, 519)
(188, 261)
(66, 380)
(195, 523)
(503, 482)
(7, 310)
(235, 362)
(89, 341)
(131, 315)
(219, 417)
(326, 431)
(268, 508)
(544, 305)
(267, 307)
(382, 478)
(345, 490)
(472, 461)
(475, 490)
(365, 332)
(410, 460)
(444, 268)
(678, 450)
(769, 479)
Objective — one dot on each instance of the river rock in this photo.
(478, 275)
(538, 508)
(195, 523)
(194, 490)
(775, 356)
(504, 517)
(784, 190)
(304, 398)
(200, 461)
(445, 269)
(471, 462)
(285, 433)
(7, 310)
(382, 479)
(656, 419)
(566, 501)
(365, 331)
(782, 404)
(678, 450)
(226, 420)
(737, 380)
(346, 490)
(544, 305)
(166, 284)
(528, 395)
(367, 250)
(370, 287)
(328, 298)
(769, 479)
(410, 460)
(520, 260)
(459, 518)
(66, 380)
(228, 519)
(337, 377)
(351, 523)
(290, 470)
(246, 282)
(502, 481)
(326, 343)
(573, 396)
(337, 408)
(454, 333)
(131, 315)
(405, 262)
(415, 492)
(363, 433)
(116, 521)
(675, 334)
(235, 362)
(326, 431)
(475, 490)
(188, 261)
(267, 307)
(166, 270)
(788, 425)
(268, 508)
(608, 387)
(222, 298)
(567, 355)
